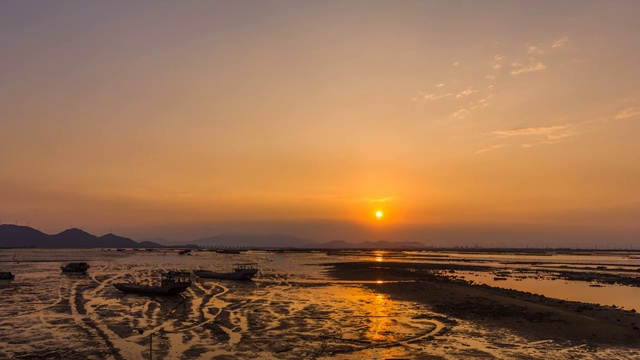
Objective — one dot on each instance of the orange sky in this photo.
(183, 119)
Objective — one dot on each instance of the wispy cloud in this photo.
(430, 96)
(530, 131)
(560, 43)
(627, 113)
(493, 147)
(497, 62)
(468, 91)
(379, 200)
(543, 135)
(534, 50)
(534, 54)
(460, 114)
(531, 136)
(518, 68)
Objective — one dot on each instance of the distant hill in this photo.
(24, 236)
(284, 241)
(254, 240)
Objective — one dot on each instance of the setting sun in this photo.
(379, 214)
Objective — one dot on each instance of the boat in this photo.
(75, 268)
(172, 283)
(6, 275)
(226, 251)
(243, 271)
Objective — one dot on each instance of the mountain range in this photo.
(12, 236)
(289, 241)
(24, 236)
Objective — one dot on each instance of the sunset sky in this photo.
(519, 120)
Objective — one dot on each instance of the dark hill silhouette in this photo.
(285, 241)
(21, 236)
(24, 236)
(149, 244)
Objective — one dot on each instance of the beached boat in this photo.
(6, 275)
(75, 268)
(226, 251)
(240, 272)
(173, 283)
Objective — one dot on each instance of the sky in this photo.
(464, 122)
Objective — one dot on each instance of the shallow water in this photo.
(538, 274)
(291, 311)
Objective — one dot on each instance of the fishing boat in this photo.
(75, 268)
(243, 271)
(6, 275)
(172, 283)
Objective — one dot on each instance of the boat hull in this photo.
(75, 268)
(71, 271)
(6, 276)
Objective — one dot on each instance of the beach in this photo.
(534, 317)
(301, 305)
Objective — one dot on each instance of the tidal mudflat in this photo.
(367, 305)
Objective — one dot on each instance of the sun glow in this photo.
(379, 214)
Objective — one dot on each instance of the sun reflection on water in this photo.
(381, 319)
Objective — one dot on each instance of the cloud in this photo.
(544, 135)
(530, 131)
(627, 113)
(518, 68)
(468, 91)
(534, 50)
(497, 62)
(430, 96)
(460, 114)
(493, 147)
(534, 53)
(560, 43)
(440, 85)
(379, 200)
(456, 63)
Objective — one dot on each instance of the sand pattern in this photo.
(293, 310)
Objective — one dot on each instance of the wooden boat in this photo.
(172, 283)
(6, 275)
(240, 272)
(225, 251)
(75, 267)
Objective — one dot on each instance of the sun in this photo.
(379, 214)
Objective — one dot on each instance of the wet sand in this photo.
(293, 310)
(534, 317)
